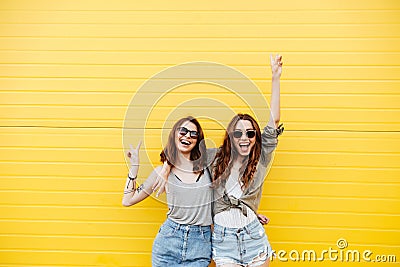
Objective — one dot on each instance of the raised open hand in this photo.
(133, 154)
(276, 65)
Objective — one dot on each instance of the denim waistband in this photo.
(254, 224)
(178, 226)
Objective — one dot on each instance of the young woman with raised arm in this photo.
(239, 170)
(184, 239)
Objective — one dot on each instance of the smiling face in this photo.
(184, 138)
(243, 144)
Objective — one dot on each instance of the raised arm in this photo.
(273, 129)
(133, 194)
(276, 69)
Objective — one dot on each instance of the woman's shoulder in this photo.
(156, 171)
(211, 152)
(158, 168)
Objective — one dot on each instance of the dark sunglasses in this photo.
(183, 131)
(249, 133)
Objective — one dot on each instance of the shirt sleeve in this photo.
(147, 185)
(269, 141)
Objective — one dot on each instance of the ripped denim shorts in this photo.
(182, 245)
(247, 246)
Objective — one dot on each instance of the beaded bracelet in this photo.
(130, 179)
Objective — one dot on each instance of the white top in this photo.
(234, 218)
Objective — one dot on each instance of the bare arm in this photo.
(161, 181)
(276, 68)
(273, 129)
(132, 193)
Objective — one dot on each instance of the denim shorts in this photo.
(182, 245)
(241, 246)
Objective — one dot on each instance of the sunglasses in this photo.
(183, 131)
(249, 133)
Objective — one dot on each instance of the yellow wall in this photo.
(69, 69)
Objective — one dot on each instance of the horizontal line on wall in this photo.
(152, 238)
(336, 212)
(120, 193)
(158, 222)
(374, 37)
(77, 222)
(205, 38)
(334, 243)
(129, 95)
(33, 265)
(313, 227)
(117, 128)
(101, 132)
(282, 52)
(81, 207)
(324, 182)
(266, 195)
(89, 106)
(280, 179)
(314, 183)
(283, 81)
(124, 106)
(77, 236)
(112, 178)
(154, 150)
(59, 78)
(253, 66)
(19, 64)
(141, 224)
(101, 252)
(58, 176)
(336, 167)
(146, 78)
(203, 10)
(341, 53)
(165, 209)
(122, 237)
(24, 162)
(269, 180)
(200, 11)
(316, 197)
(80, 221)
(202, 23)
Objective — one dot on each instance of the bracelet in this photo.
(130, 179)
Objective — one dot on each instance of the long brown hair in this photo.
(227, 154)
(198, 153)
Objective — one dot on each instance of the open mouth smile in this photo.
(185, 142)
(244, 147)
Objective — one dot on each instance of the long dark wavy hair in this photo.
(198, 153)
(227, 154)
